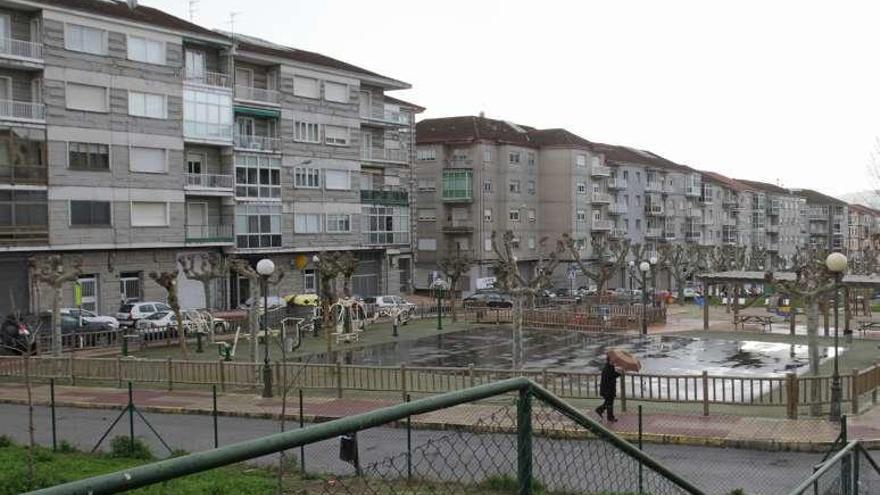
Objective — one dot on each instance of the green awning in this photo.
(258, 112)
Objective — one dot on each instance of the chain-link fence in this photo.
(850, 471)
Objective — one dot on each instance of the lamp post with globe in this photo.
(265, 268)
(836, 264)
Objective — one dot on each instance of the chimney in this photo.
(132, 4)
(482, 114)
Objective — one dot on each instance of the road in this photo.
(447, 455)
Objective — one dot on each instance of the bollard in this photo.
(408, 445)
(214, 414)
(199, 348)
(52, 405)
(302, 448)
(130, 420)
(125, 345)
(641, 447)
(705, 393)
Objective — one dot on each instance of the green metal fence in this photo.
(849, 472)
(535, 443)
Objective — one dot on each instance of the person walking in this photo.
(608, 390)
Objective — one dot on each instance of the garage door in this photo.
(365, 282)
(14, 285)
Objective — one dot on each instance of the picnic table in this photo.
(765, 320)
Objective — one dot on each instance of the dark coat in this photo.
(608, 382)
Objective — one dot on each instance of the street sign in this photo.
(77, 294)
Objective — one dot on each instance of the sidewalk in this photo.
(717, 430)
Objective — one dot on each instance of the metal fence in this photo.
(849, 472)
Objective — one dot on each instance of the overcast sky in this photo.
(777, 91)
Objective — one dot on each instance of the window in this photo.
(149, 160)
(306, 87)
(487, 215)
(89, 291)
(85, 39)
(427, 215)
(130, 286)
(306, 132)
(581, 216)
(514, 186)
(532, 215)
(336, 92)
(310, 285)
(427, 244)
(513, 157)
(638, 176)
(531, 242)
(207, 114)
(427, 185)
(514, 243)
(581, 188)
(149, 214)
(90, 213)
(581, 161)
(145, 50)
(257, 176)
(487, 155)
(257, 225)
(426, 154)
(381, 225)
(338, 223)
(335, 135)
(638, 224)
(531, 159)
(86, 98)
(487, 184)
(306, 178)
(338, 180)
(487, 245)
(146, 105)
(24, 209)
(457, 185)
(88, 156)
(307, 223)
(530, 187)
(513, 215)
(626, 175)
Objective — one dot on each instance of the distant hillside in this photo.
(867, 198)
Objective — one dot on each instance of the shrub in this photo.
(66, 447)
(123, 447)
(5, 441)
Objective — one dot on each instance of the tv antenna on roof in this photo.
(192, 9)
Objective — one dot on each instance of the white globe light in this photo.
(836, 262)
(315, 259)
(632, 263)
(653, 260)
(644, 266)
(265, 267)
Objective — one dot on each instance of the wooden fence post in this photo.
(471, 374)
(705, 393)
(874, 383)
(70, 369)
(855, 390)
(170, 374)
(403, 382)
(222, 375)
(791, 390)
(338, 379)
(119, 372)
(623, 390)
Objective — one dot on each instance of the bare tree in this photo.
(813, 282)
(609, 256)
(347, 264)
(682, 263)
(509, 279)
(242, 267)
(205, 267)
(328, 272)
(26, 347)
(454, 265)
(168, 281)
(51, 270)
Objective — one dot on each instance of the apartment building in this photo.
(132, 136)
(779, 220)
(827, 219)
(864, 226)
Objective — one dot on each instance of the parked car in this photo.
(384, 302)
(90, 317)
(71, 324)
(130, 313)
(488, 299)
(689, 292)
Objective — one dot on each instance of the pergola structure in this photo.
(738, 278)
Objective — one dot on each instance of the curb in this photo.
(630, 436)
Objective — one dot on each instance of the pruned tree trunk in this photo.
(30, 401)
(518, 352)
(56, 321)
(253, 317)
(813, 345)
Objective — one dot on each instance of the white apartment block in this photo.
(132, 136)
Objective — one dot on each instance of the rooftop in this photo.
(468, 129)
(764, 186)
(724, 180)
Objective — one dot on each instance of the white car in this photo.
(689, 293)
(192, 321)
(91, 317)
(385, 302)
(130, 313)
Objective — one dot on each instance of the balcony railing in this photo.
(729, 202)
(22, 110)
(772, 227)
(459, 226)
(257, 143)
(215, 79)
(654, 233)
(772, 246)
(617, 208)
(251, 93)
(616, 183)
(24, 174)
(20, 235)
(603, 225)
(204, 130)
(388, 117)
(389, 198)
(654, 186)
(20, 49)
(669, 235)
(600, 171)
(692, 191)
(619, 233)
(209, 233)
(693, 236)
(385, 238)
(385, 155)
(729, 241)
(211, 182)
(654, 210)
(693, 213)
(817, 213)
(600, 197)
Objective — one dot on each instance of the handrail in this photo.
(136, 477)
(806, 484)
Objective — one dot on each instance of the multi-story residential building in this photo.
(864, 226)
(134, 136)
(779, 220)
(729, 223)
(826, 219)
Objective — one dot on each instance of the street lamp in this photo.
(265, 268)
(644, 267)
(836, 264)
(653, 260)
(439, 286)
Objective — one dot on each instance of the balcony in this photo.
(388, 117)
(213, 79)
(24, 235)
(259, 95)
(653, 233)
(707, 221)
(21, 50)
(654, 186)
(385, 155)
(203, 131)
(693, 213)
(459, 226)
(616, 183)
(729, 241)
(773, 211)
(729, 221)
(600, 171)
(32, 175)
(817, 213)
(772, 228)
(669, 235)
(619, 233)
(692, 191)
(209, 184)
(693, 236)
(772, 246)
(387, 198)
(654, 210)
(617, 208)
(209, 234)
(603, 225)
(22, 111)
(600, 197)
(729, 202)
(380, 238)
(252, 142)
